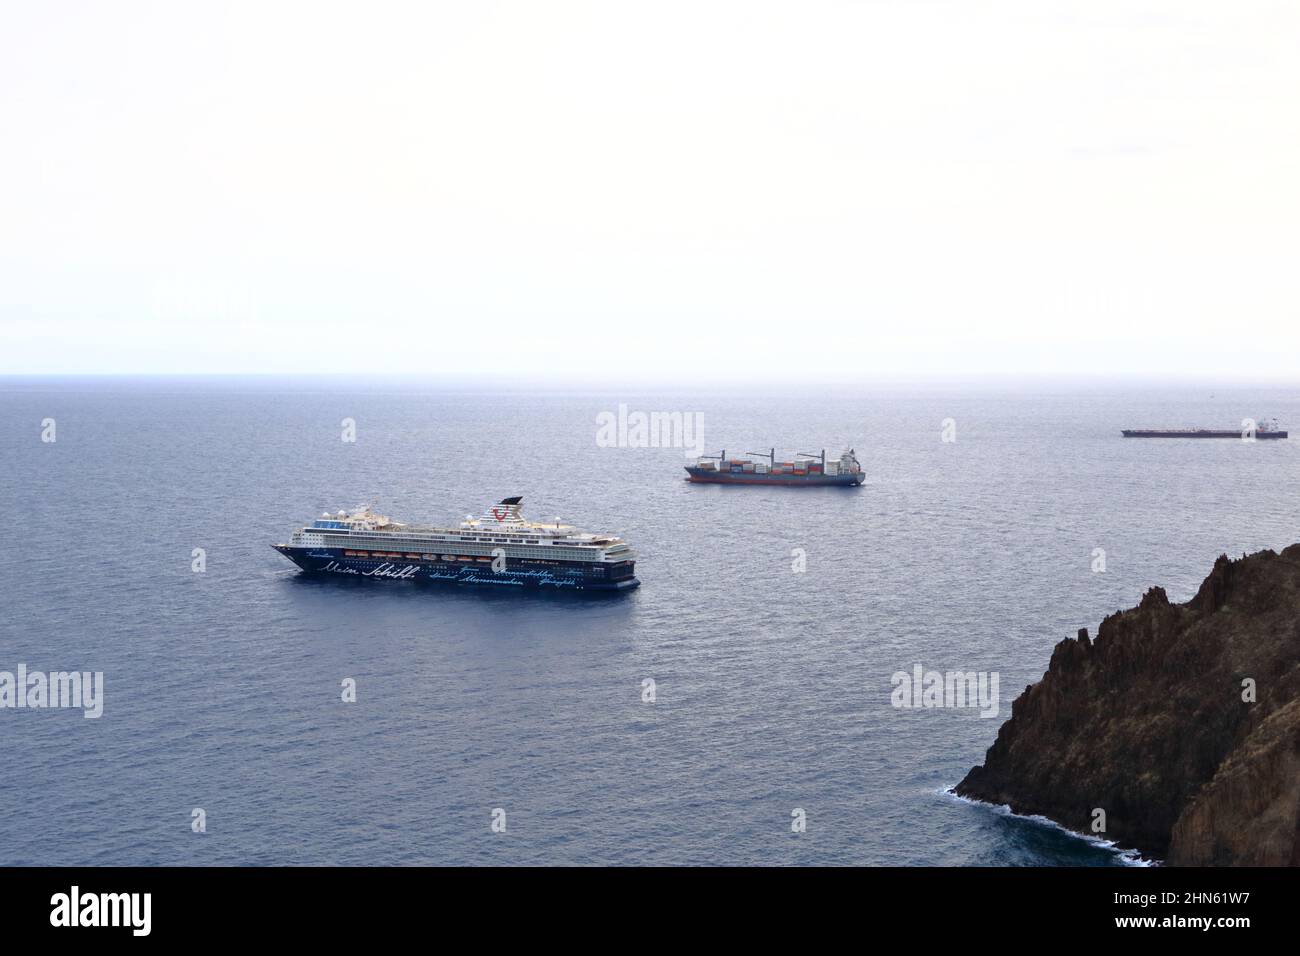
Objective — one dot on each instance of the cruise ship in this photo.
(499, 547)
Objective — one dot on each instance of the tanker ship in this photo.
(1265, 431)
(498, 548)
(808, 470)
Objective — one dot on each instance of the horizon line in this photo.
(768, 382)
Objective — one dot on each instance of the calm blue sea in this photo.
(222, 688)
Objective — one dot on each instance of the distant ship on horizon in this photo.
(811, 471)
(1268, 429)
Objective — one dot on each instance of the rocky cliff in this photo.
(1181, 722)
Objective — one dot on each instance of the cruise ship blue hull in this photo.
(555, 576)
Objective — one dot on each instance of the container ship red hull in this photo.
(812, 472)
(717, 478)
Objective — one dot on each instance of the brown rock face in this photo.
(1154, 723)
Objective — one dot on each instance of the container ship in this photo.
(1265, 431)
(499, 547)
(807, 471)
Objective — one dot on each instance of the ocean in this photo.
(772, 685)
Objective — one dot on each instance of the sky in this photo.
(701, 191)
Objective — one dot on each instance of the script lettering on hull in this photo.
(383, 571)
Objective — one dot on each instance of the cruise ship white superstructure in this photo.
(499, 547)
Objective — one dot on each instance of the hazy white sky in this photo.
(606, 190)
